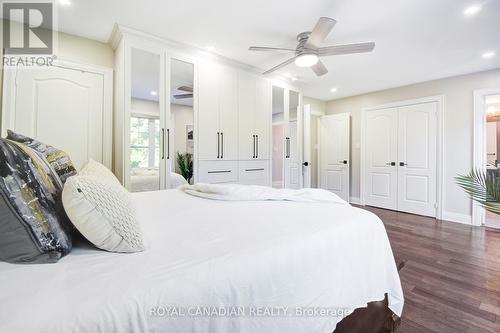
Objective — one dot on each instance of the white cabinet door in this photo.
(246, 122)
(381, 136)
(61, 107)
(208, 111)
(228, 112)
(417, 159)
(334, 154)
(254, 172)
(263, 113)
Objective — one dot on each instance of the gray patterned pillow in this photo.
(57, 158)
(33, 225)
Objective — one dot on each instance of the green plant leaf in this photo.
(482, 188)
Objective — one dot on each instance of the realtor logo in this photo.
(28, 28)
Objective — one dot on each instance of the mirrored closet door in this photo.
(279, 137)
(145, 158)
(286, 138)
(180, 169)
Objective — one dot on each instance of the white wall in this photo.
(145, 108)
(183, 116)
(458, 115)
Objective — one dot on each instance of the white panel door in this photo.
(417, 159)
(292, 175)
(263, 113)
(61, 107)
(246, 118)
(228, 113)
(381, 135)
(208, 111)
(334, 154)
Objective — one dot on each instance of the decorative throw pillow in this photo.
(96, 169)
(103, 213)
(33, 225)
(59, 160)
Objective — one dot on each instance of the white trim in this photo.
(9, 82)
(317, 113)
(479, 144)
(355, 200)
(439, 99)
(456, 217)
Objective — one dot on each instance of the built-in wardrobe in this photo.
(231, 123)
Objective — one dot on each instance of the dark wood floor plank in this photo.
(450, 273)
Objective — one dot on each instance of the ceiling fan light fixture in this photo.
(306, 60)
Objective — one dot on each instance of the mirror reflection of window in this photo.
(144, 160)
(182, 121)
(278, 149)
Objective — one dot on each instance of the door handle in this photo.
(391, 163)
(257, 146)
(218, 145)
(253, 146)
(402, 164)
(168, 143)
(343, 161)
(162, 143)
(305, 163)
(221, 145)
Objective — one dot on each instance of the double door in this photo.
(400, 158)
(254, 122)
(218, 113)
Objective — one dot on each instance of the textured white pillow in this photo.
(96, 169)
(103, 213)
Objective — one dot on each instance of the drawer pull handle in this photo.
(220, 171)
(259, 169)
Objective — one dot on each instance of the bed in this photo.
(143, 180)
(212, 266)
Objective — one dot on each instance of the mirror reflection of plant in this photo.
(185, 165)
(482, 188)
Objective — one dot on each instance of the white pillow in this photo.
(103, 213)
(96, 169)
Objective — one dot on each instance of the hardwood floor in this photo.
(450, 273)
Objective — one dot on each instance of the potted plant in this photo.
(185, 165)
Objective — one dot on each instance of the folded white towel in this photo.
(230, 192)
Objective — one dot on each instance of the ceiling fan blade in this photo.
(319, 68)
(265, 48)
(283, 64)
(319, 33)
(183, 96)
(185, 88)
(346, 49)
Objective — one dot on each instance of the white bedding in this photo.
(256, 255)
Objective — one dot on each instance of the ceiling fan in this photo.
(308, 50)
(187, 89)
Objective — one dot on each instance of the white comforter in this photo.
(274, 265)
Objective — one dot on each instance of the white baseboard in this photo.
(277, 184)
(355, 200)
(458, 218)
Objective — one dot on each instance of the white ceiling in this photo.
(416, 40)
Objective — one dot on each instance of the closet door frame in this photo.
(9, 98)
(131, 43)
(189, 59)
(439, 100)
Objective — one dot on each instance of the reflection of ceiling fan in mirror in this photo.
(186, 89)
(308, 50)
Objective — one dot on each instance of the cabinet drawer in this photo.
(254, 172)
(218, 171)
